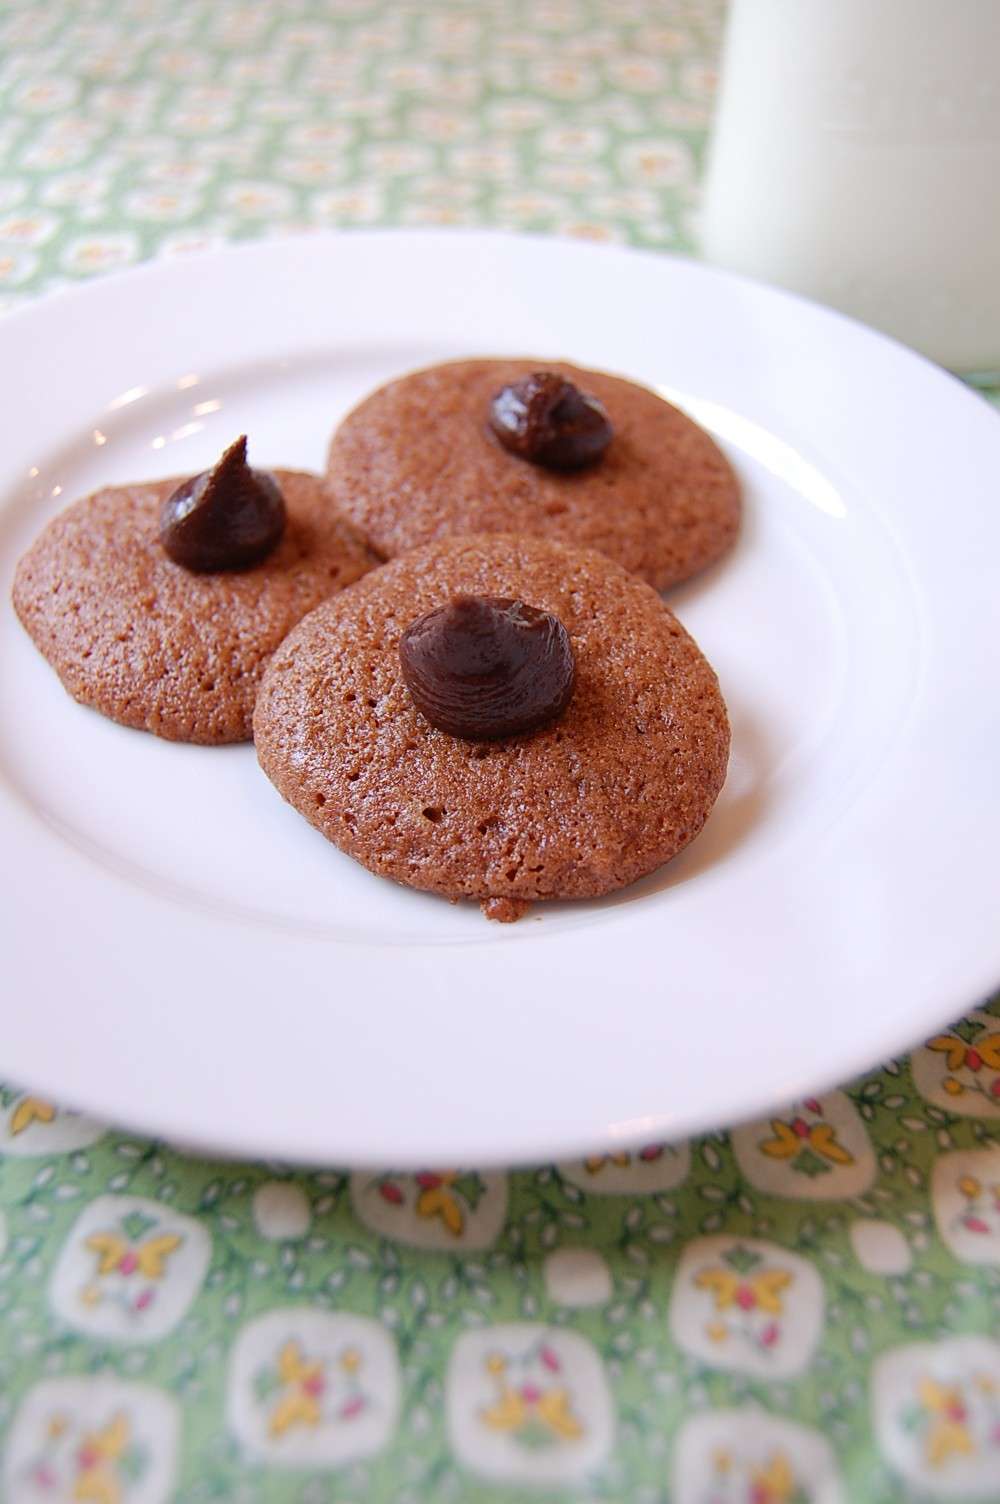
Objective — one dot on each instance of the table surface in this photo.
(797, 1310)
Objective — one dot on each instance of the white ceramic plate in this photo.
(183, 953)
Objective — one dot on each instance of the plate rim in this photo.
(626, 1135)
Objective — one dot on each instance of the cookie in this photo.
(612, 789)
(417, 460)
(154, 646)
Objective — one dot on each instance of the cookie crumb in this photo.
(505, 910)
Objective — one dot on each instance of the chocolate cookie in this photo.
(610, 790)
(160, 648)
(418, 460)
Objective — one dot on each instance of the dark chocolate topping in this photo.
(546, 419)
(230, 517)
(483, 667)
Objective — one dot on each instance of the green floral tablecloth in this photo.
(803, 1309)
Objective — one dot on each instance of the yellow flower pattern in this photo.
(131, 1261)
(746, 1296)
(306, 1391)
(303, 1383)
(984, 1051)
(595, 1163)
(774, 1483)
(97, 1479)
(514, 1410)
(953, 1420)
(450, 1197)
(980, 1214)
(947, 1432)
(969, 1062)
(788, 1141)
(148, 1258)
(437, 1200)
(806, 1140)
(533, 1404)
(87, 1463)
(743, 1472)
(761, 1290)
(30, 1110)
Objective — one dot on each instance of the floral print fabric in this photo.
(675, 1323)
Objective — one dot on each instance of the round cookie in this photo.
(614, 788)
(154, 646)
(417, 460)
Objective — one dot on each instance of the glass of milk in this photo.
(856, 159)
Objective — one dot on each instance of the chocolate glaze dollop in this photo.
(546, 419)
(484, 667)
(230, 517)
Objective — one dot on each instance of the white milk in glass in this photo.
(856, 159)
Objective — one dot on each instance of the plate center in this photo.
(806, 623)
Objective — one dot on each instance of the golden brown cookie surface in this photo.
(416, 461)
(159, 648)
(614, 788)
